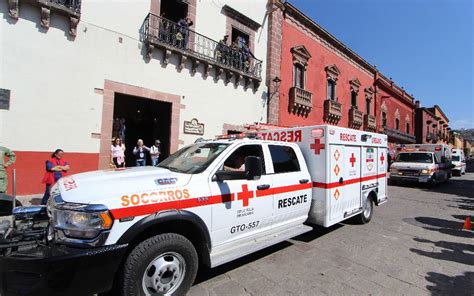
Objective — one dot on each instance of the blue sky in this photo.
(426, 46)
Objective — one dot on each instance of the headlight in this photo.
(81, 221)
(425, 171)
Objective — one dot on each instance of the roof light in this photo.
(317, 133)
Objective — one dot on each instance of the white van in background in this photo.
(459, 162)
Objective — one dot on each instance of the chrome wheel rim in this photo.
(367, 208)
(164, 274)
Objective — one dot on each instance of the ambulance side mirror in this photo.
(253, 167)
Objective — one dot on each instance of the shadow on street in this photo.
(449, 227)
(205, 273)
(460, 285)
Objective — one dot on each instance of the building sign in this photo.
(4, 99)
(193, 127)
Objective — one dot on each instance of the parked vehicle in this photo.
(423, 163)
(145, 229)
(459, 162)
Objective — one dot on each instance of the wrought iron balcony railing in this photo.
(68, 8)
(74, 5)
(188, 44)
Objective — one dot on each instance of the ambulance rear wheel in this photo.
(164, 264)
(367, 210)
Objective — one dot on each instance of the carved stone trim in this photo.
(230, 12)
(228, 77)
(45, 16)
(73, 21)
(397, 114)
(194, 65)
(13, 9)
(332, 72)
(407, 118)
(181, 60)
(247, 82)
(207, 69)
(355, 85)
(300, 55)
(369, 92)
(166, 56)
(149, 50)
(383, 107)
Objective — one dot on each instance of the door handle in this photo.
(263, 187)
(341, 180)
(303, 181)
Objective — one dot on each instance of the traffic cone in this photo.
(467, 224)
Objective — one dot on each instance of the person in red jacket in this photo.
(56, 167)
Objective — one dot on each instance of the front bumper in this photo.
(419, 179)
(60, 270)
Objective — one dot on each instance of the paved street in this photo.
(414, 245)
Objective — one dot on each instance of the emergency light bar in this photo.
(243, 135)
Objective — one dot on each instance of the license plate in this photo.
(423, 180)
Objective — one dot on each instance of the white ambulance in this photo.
(459, 162)
(144, 230)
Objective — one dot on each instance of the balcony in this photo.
(356, 118)
(228, 63)
(399, 136)
(332, 111)
(301, 101)
(68, 8)
(369, 123)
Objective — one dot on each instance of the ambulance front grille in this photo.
(410, 172)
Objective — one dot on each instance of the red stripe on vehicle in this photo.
(347, 182)
(283, 189)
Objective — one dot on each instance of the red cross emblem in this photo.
(352, 160)
(317, 146)
(382, 158)
(245, 195)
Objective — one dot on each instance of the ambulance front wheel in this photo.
(367, 210)
(164, 264)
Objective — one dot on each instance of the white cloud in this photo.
(462, 123)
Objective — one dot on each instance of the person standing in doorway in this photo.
(117, 153)
(56, 167)
(140, 153)
(4, 151)
(155, 152)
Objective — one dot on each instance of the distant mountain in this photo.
(467, 134)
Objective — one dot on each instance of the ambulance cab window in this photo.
(284, 159)
(236, 161)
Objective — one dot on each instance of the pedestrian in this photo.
(140, 153)
(5, 152)
(117, 153)
(222, 50)
(56, 167)
(183, 31)
(155, 152)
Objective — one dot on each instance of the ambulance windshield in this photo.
(456, 158)
(415, 157)
(193, 159)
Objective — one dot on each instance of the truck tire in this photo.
(162, 264)
(367, 211)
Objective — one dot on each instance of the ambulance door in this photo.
(351, 173)
(369, 169)
(336, 193)
(292, 186)
(241, 213)
(382, 173)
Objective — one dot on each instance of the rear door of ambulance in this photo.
(382, 173)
